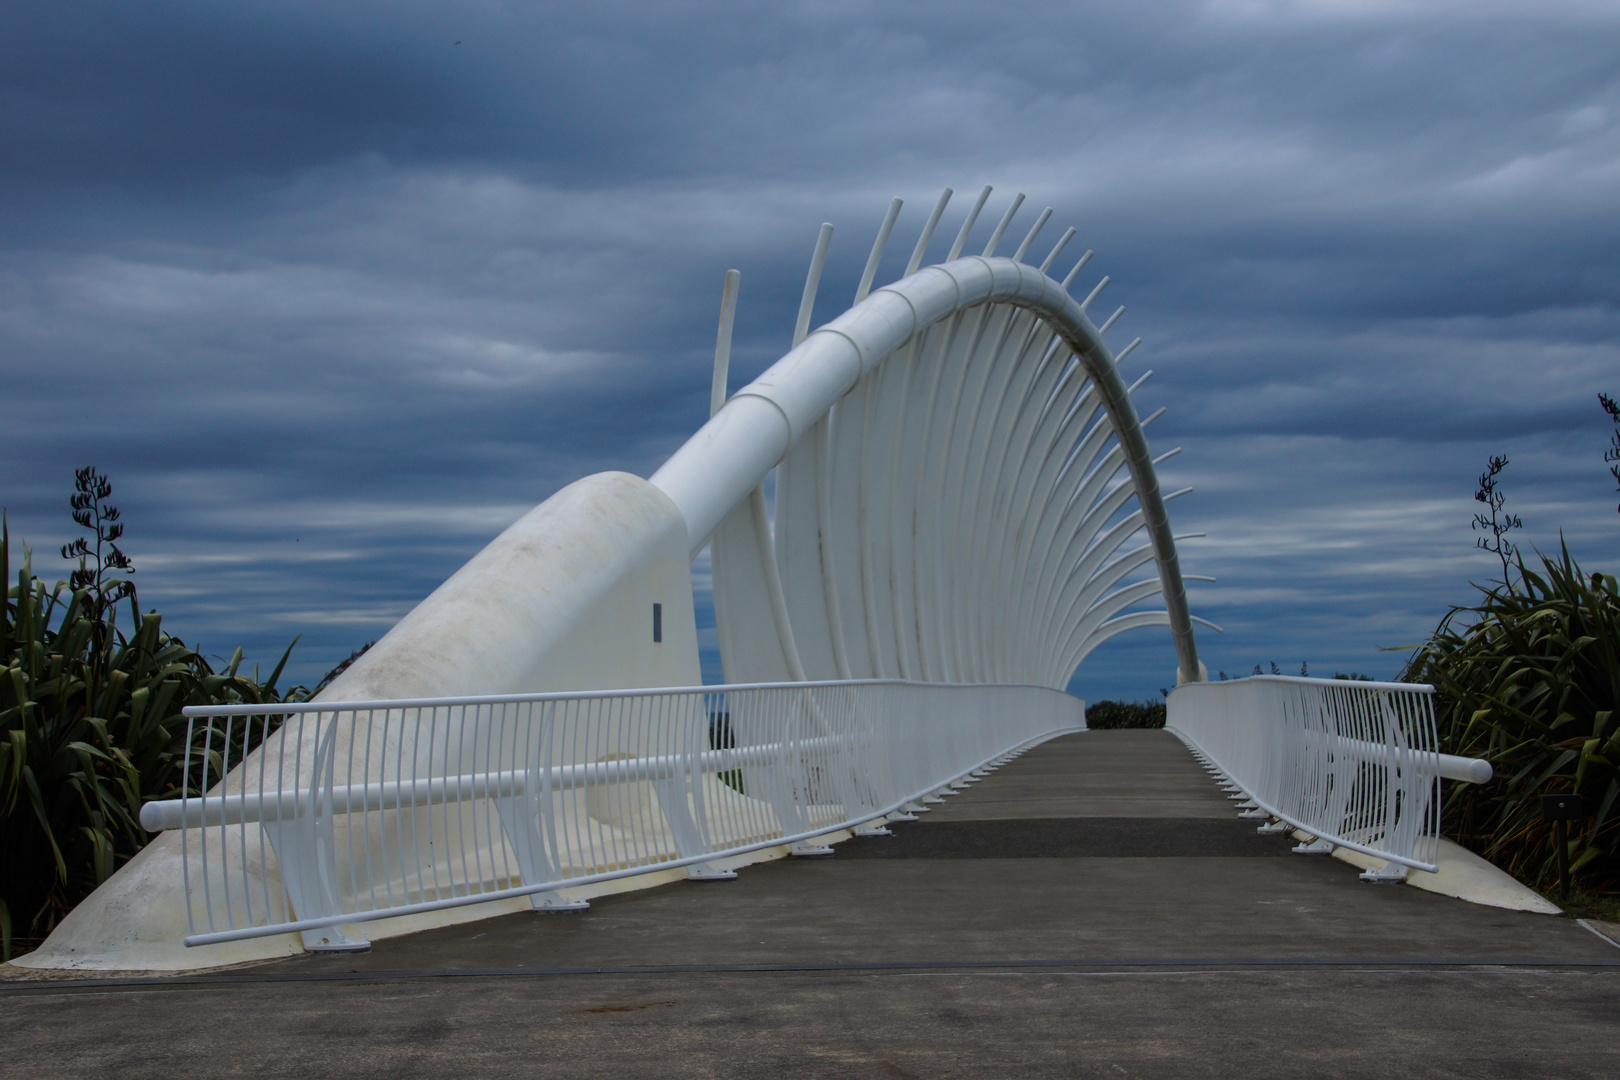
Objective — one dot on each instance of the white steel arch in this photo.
(956, 459)
(956, 455)
(953, 455)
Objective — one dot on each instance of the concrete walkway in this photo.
(1093, 908)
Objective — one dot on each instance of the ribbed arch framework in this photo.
(961, 474)
(963, 484)
(912, 542)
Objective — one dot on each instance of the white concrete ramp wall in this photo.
(562, 600)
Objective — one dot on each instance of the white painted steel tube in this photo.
(362, 917)
(731, 454)
(1466, 770)
(812, 282)
(967, 224)
(878, 245)
(256, 806)
(384, 704)
(927, 233)
(1034, 231)
(722, 341)
(1353, 763)
(378, 809)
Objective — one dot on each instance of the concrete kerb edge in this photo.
(1462, 876)
(1609, 933)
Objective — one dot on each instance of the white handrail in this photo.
(1355, 764)
(1466, 770)
(379, 704)
(166, 814)
(357, 811)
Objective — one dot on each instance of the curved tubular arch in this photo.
(1077, 624)
(972, 553)
(996, 381)
(1053, 426)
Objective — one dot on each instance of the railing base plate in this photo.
(1392, 874)
(338, 945)
(550, 903)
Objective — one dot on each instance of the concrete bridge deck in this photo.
(1093, 908)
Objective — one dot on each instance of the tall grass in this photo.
(1529, 679)
(90, 727)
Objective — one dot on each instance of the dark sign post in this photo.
(1559, 809)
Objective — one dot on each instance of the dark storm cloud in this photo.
(181, 94)
(334, 298)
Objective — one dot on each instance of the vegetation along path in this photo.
(1092, 908)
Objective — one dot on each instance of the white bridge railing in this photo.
(350, 812)
(1354, 764)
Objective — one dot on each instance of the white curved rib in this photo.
(972, 373)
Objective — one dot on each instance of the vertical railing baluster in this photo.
(589, 787)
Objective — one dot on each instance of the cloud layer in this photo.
(335, 296)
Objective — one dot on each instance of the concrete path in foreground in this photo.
(1093, 908)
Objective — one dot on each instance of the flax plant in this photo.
(90, 727)
(1529, 679)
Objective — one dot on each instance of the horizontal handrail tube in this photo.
(1354, 763)
(196, 813)
(381, 704)
(645, 779)
(1336, 684)
(1466, 770)
(1337, 840)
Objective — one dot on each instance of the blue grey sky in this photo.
(335, 295)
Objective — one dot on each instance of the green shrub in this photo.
(1106, 715)
(1528, 679)
(90, 727)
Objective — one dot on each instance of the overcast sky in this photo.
(334, 293)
